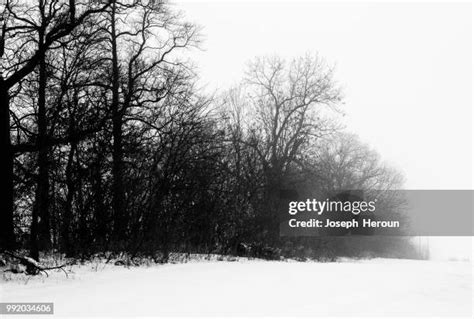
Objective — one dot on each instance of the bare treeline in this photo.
(108, 145)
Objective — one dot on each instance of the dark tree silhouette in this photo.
(28, 33)
(109, 144)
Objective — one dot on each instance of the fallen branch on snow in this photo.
(32, 266)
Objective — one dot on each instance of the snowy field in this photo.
(248, 287)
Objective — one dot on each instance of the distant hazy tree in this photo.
(287, 104)
(342, 167)
(344, 162)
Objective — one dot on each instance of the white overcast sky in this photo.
(406, 70)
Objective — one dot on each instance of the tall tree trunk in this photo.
(7, 236)
(40, 233)
(119, 231)
(43, 163)
(68, 213)
(101, 212)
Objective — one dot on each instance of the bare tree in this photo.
(343, 162)
(151, 32)
(28, 32)
(288, 104)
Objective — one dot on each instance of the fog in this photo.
(407, 85)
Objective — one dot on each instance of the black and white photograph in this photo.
(236, 158)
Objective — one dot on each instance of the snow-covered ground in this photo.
(250, 287)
